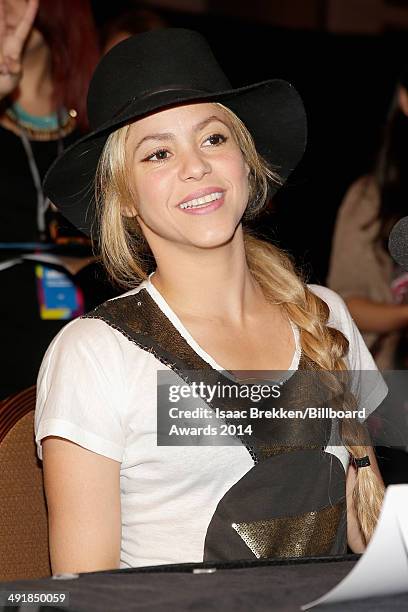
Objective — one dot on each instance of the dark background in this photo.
(347, 83)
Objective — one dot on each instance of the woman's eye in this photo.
(159, 155)
(216, 139)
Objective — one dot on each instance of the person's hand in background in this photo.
(16, 21)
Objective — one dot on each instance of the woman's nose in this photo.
(193, 164)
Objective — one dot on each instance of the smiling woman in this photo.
(218, 146)
(199, 169)
(168, 184)
(176, 163)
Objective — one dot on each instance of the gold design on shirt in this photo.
(304, 535)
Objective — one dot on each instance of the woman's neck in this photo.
(214, 284)
(34, 93)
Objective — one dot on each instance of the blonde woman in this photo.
(179, 161)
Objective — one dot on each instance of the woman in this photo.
(177, 175)
(361, 269)
(48, 51)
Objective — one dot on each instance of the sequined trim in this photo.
(267, 451)
(308, 534)
(141, 321)
(139, 318)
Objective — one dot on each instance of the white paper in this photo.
(383, 568)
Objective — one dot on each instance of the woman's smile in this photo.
(204, 205)
(204, 200)
(186, 160)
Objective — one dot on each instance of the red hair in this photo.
(69, 30)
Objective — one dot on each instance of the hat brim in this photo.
(272, 111)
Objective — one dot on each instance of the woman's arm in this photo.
(83, 497)
(355, 271)
(377, 317)
(354, 536)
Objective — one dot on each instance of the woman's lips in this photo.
(204, 192)
(205, 209)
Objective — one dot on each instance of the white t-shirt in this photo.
(98, 389)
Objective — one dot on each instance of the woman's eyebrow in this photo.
(162, 136)
(204, 123)
(158, 136)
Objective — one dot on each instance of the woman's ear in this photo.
(403, 100)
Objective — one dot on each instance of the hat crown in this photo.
(148, 63)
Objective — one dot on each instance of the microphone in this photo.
(398, 242)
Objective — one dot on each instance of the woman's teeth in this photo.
(197, 203)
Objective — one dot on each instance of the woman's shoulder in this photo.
(367, 382)
(340, 317)
(359, 357)
(83, 386)
(362, 198)
(88, 337)
(339, 314)
(82, 332)
(364, 186)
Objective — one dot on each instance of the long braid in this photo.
(326, 348)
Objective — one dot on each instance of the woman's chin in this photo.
(213, 240)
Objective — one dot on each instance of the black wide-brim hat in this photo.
(156, 70)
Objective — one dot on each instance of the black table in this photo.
(247, 586)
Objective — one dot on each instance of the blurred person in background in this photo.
(361, 269)
(48, 50)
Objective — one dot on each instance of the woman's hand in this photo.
(12, 41)
(84, 516)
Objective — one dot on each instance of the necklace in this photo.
(49, 127)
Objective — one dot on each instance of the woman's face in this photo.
(188, 176)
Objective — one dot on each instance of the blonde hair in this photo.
(126, 255)
(122, 246)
